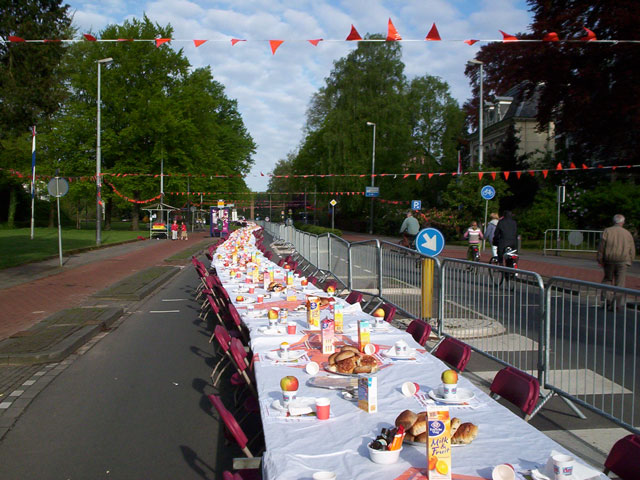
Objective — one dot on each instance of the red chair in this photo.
(243, 366)
(517, 387)
(353, 298)
(389, 312)
(624, 458)
(419, 330)
(232, 428)
(313, 280)
(453, 352)
(268, 255)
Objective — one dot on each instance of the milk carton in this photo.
(266, 280)
(327, 331)
(368, 394)
(289, 277)
(364, 334)
(313, 313)
(438, 443)
(338, 317)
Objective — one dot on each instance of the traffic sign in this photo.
(430, 241)
(371, 191)
(220, 203)
(488, 192)
(58, 187)
(416, 204)
(333, 203)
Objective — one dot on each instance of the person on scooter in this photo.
(506, 235)
(409, 229)
(474, 235)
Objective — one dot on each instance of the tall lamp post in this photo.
(104, 61)
(481, 108)
(373, 171)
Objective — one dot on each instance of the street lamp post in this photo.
(481, 108)
(104, 61)
(373, 171)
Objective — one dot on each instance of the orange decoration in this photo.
(433, 34)
(274, 45)
(392, 33)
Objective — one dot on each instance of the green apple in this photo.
(289, 383)
(449, 376)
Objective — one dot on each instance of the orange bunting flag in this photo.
(430, 175)
(507, 38)
(354, 35)
(418, 176)
(160, 41)
(585, 167)
(197, 43)
(518, 173)
(392, 33)
(506, 175)
(89, 37)
(471, 41)
(493, 175)
(532, 173)
(480, 174)
(559, 166)
(544, 173)
(315, 42)
(550, 37)
(572, 165)
(15, 39)
(236, 40)
(406, 175)
(590, 36)
(433, 34)
(274, 45)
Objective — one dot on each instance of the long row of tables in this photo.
(296, 447)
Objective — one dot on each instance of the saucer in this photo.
(464, 395)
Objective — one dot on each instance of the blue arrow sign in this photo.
(430, 241)
(416, 204)
(488, 192)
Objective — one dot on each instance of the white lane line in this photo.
(164, 311)
(174, 299)
(29, 383)
(5, 404)
(16, 393)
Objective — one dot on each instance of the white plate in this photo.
(325, 366)
(297, 402)
(272, 331)
(291, 356)
(247, 300)
(464, 395)
(391, 353)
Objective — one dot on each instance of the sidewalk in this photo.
(547, 266)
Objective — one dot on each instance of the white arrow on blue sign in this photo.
(430, 241)
(488, 192)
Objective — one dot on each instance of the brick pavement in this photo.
(26, 304)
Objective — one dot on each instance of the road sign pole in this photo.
(484, 225)
(59, 227)
(333, 216)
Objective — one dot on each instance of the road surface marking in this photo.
(174, 299)
(29, 383)
(5, 404)
(16, 393)
(164, 311)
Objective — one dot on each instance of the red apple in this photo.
(378, 313)
(450, 377)
(289, 383)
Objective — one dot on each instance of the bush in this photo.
(317, 230)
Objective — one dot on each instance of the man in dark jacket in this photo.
(506, 235)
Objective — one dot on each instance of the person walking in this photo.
(174, 230)
(490, 230)
(474, 235)
(409, 229)
(506, 235)
(183, 232)
(616, 252)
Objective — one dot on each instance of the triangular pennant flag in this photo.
(89, 37)
(589, 37)
(418, 175)
(433, 34)
(274, 45)
(544, 173)
(471, 41)
(559, 166)
(430, 175)
(315, 42)
(532, 173)
(236, 40)
(572, 165)
(493, 175)
(518, 173)
(507, 38)
(354, 35)
(405, 176)
(506, 175)
(614, 167)
(584, 167)
(480, 174)
(392, 33)
(197, 43)
(160, 41)
(15, 39)
(550, 37)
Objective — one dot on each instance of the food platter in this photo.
(464, 395)
(332, 383)
(325, 366)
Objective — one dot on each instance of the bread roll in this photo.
(408, 437)
(368, 360)
(465, 434)
(349, 348)
(422, 438)
(363, 369)
(332, 358)
(406, 419)
(455, 424)
(419, 427)
(347, 365)
(343, 356)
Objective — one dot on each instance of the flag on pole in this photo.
(33, 161)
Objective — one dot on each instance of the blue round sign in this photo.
(488, 192)
(430, 241)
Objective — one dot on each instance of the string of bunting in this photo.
(587, 36)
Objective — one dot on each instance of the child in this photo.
(174, 230)
(474, 234)
(183, 232)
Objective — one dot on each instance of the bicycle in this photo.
(511, 258)
(473, 255)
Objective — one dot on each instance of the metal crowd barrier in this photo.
(571, 240)
(591, 354)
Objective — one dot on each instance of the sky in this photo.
(274, 91)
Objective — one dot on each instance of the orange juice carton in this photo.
(364, 334)
(234, 258)
(313, 313)
(289, 277)
(271, 274)
(438, 443)
(266, 281)
(368, 394)
(338, 317)
(255, 274)
(291, 295)
(328, 334)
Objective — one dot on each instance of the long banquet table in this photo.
(299, 446)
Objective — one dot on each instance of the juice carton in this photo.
(364, 334)
(234, 258)
(368, 394)
(338, 317)
(266, 280)
(255, 274)
(271, 274)
(291, 295)
(327, 328)
(438, 443)
(289, 277)
(313, 313)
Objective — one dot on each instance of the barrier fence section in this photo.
(496, 310)
(591, 355)
(339, 258)
(571, 240)
(364, 267)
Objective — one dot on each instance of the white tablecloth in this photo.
(295, 448)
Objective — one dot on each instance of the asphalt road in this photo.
(131, 407)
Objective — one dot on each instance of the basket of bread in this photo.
(276, 287)
(349, 360)
(415, 424)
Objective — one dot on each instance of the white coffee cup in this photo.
(312, 368)
(409, 389)
(450, 390)
(503, 472)
(562, 466)
(402, 348)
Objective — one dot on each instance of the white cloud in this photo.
(273, 91)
